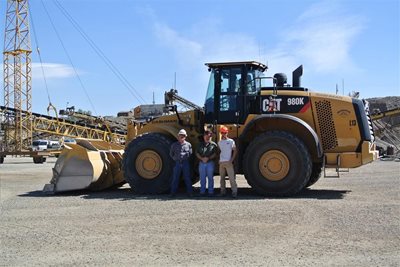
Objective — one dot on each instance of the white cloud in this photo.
(323, 36)
(204, 42)
(184, 47)
(321, 9)
(52, 71)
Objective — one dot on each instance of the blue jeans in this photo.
(206, 170)
(178, 169)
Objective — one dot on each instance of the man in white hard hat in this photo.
(180, 152)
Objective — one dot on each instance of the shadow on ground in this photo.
(125, 194)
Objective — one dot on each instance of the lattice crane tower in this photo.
(17, 77)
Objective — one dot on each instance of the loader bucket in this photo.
(88, 164)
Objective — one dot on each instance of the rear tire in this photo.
(315, 174)
(277, 163)
(147, 165)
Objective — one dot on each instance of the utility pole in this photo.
(17, 77)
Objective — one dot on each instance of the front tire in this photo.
(39, 159)
(277, 163)
(147, 165)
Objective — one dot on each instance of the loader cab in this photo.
(232, 91)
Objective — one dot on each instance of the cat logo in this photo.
(271, 104)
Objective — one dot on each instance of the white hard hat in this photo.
(182, 132)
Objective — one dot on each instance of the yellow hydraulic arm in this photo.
(387, 113)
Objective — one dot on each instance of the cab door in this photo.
(227, 90)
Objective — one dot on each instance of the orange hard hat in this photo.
(223, 129)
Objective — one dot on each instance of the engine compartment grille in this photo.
(326, 124)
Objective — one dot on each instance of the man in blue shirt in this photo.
(180, 152)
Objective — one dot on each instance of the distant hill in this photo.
(387, 129)
(384, 103)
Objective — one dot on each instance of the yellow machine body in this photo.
(285, 136)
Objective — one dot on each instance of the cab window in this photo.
(230, 84)
(253, 82)
(209, 103)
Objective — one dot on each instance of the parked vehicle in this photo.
(39, 145)
(43, 145)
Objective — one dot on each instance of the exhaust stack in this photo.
(297, 73)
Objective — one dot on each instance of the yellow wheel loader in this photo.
(285, 136)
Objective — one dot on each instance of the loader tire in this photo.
(39, 160)
(147, 165)
(277, 163)
(315, 174)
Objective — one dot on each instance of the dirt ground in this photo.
(351, 221)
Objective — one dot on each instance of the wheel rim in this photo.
(274, 165)
(148, 164)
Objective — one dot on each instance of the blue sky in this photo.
(350, 43)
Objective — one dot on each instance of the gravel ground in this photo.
(351, 221)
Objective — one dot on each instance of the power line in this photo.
(68, 56)
(40, 56)
(101, 54)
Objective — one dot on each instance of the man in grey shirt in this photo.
(180, 152)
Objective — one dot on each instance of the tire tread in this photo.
(296, 142)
